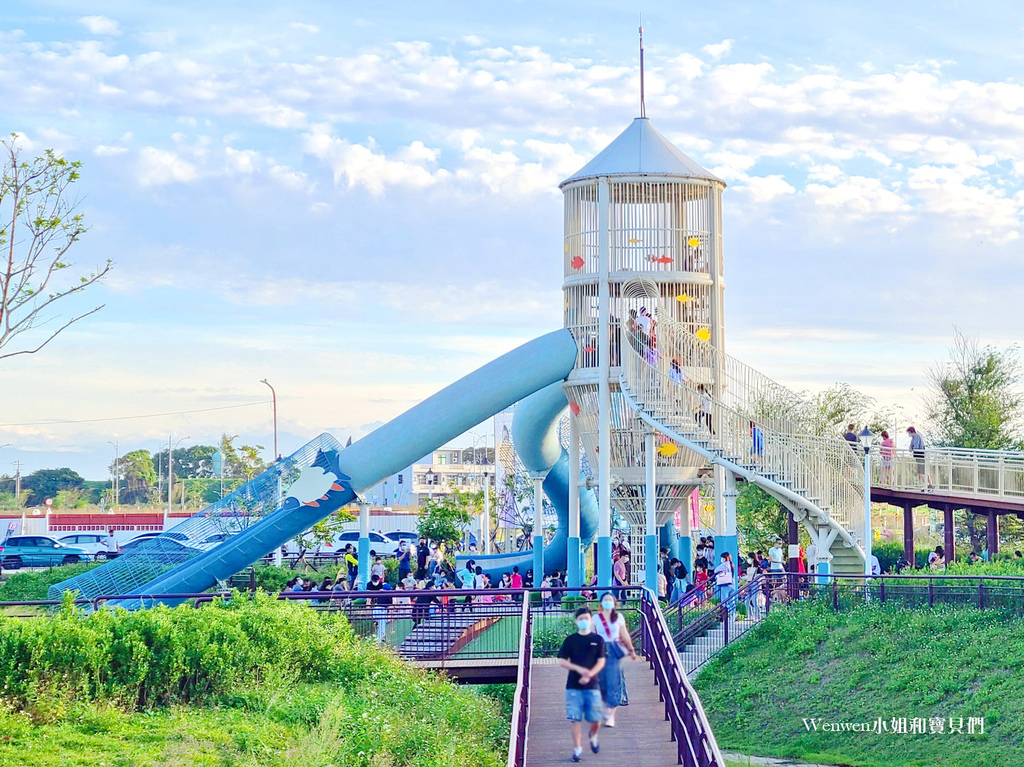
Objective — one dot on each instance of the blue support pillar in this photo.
(823, 569)
(574, 563)
(538, 559)
(363, 574)
(685, 553)
(604, 560)
(651, 558)
(728, 543)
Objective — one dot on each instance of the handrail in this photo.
(695, 742)
(951, 470)
(825, 473)
(517, 739)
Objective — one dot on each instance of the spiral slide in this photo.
(313, 489)
(535, 436)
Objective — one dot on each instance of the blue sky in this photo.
(359, 201)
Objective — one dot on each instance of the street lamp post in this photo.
(170, 473)
(117, 476)
(273, 396)
(866, 438)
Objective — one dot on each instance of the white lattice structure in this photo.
(643, 243)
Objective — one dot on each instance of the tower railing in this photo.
(826, 472)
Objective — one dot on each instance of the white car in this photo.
(93, 543)
(380, 543)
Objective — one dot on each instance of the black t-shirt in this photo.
(583, 650)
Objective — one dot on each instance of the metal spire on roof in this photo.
(643, 107)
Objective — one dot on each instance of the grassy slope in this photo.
(807, 661)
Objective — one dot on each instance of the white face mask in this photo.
(583, 624)
(608, 604)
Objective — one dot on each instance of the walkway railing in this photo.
(823, 471)
(951, 470)
(694, 616)
(521, 703)
(691, 731)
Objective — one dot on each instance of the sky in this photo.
(359, 201)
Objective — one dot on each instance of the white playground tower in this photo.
(643, 254)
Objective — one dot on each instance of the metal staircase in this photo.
(713, 405)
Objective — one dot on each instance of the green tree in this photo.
(975, 399)
(760, 518)
(46, 483)
(137, 474)
(241, 461)
(443, 520)
(321, 534)
(39, 223)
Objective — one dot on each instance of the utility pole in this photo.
(273, 394)
(17, 481)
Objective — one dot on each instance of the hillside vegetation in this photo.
(868, 665)
(245, 682)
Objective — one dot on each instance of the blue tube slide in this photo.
(342, 474)
(535, 436)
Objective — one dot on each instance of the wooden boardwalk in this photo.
(640, 738)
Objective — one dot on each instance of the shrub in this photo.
(27, 587)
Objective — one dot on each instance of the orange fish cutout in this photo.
(703, 334)
(667, 449)
(574, 408)
(577, 262)
(634, 240)
(682, 298)
(589, 349)
(693, 242)
(660, 259)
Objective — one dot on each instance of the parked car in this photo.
(38, 551)
(93, 543)
(146, 536)
(170, 548)
(379, 542)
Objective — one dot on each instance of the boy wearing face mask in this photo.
(583, 654)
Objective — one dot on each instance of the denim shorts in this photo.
(583, 704)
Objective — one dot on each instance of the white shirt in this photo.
(612, 633)
(775, 557)
(812, 555)
(723, 574)
(876, 569)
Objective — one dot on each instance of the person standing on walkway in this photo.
(725, 582)
(753, 600)
(611, 626)
(583, 655)
(404, 561)
(887, 452)
(917, 448)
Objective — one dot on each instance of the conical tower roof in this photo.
(641, 150)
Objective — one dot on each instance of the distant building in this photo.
(465, 470)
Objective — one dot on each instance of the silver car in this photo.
(93, 543)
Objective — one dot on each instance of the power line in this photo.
(134, 417)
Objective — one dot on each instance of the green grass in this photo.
(807, 661)
(246, 682)
(28, 587)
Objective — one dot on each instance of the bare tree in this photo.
(39, 222)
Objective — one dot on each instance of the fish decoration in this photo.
(693, 242)
(577, 262)
(634, 241)
(682, 298)
(703, 334)
(589, 349)
(667, 449)
(574, 408)
(660, 259)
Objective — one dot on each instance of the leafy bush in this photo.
(27, 587)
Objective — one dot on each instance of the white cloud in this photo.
(310, 28)
(158, 167)
(358, 165)
(718, 50)
(856, 197)
(767, 188)
(100, 25)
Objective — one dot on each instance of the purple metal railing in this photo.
(691, 731)
(521, 705)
